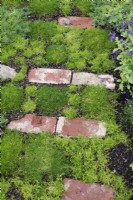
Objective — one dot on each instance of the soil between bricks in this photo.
(14, 193)
(120, 159)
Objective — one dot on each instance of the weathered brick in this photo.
(50, 76)
(84, 78)
(34, 124)
(80, 126)
(7, 72)
(81, 22)
(77, 190)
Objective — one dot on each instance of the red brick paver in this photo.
(80, 126)
(49, 76)
(35, 124)
(81, 22)
(77, 190)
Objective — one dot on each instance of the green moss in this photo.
(43, 30)
(14, 23)
(11, 98)
(39, 61)
(70, 112)
(74, 100)
(30, 102)
(46, 8)
(11, 147)
(101, 63)
(97, 41)
(20, 60)
(88, 160)
(20, 43)
(50, 100)
(48, 160)
(49, 191)
(83, 6)
(5, 185)
(21, 75)
(99, 49)
(96, 103)
(22, 51)
(31, 91)
(77, 55)
(12, 2)
(68, 7)
(7, 53)
(56, 54)
(65, 7)
(29, 106)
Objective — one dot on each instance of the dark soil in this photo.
(120, 159)
(14, 193)
(14, 116)
(32, 17)
(126, 127)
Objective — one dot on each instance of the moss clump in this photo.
(48, 160)
(97, 41)
(83, 6)
(30, 104)
(45, 8)
(68, 7)
(26, 190)
(21, 75)
(43, 30)
(70, 112)
(99, 48)
(96, 103)
(101, 63)
(22, 51)
(12, 98)
(51, 100)
(12, 2)
(11, 147)
(13, 23)
(56, 54)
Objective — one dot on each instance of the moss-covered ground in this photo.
(34, 166)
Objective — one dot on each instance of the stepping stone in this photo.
(7, 72)
(80, 126)
(84, 78)
(49, 76)
(77, 190)
(81, 22)
(34, 124)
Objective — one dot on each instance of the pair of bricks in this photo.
(60, 76)
(62, 126)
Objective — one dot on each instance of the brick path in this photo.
(74, 189)
(62, 126)
(60, 76)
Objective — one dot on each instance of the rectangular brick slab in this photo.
(77, 190)
(34, 124)
(84, 78)
(80, 126)
(73, 21)
(49, 76)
